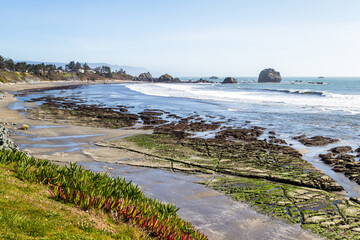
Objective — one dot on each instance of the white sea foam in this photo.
(315, 100)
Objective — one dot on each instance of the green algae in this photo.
(321, 212)
(248, 170)
(256, 159)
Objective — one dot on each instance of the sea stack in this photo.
(269, 75)
(145, 77)
(229, 80)
(165, 78)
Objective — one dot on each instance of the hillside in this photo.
(11, 77)
(135, 71)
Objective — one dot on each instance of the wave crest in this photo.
(315, 100)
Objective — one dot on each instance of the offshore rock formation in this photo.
(269, 75)
(147, 77)
(198, 81)
(229, 80)
(168, 79)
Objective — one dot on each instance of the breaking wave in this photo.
(315, 100)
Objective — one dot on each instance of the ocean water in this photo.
(328, 107)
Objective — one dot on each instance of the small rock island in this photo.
(269, 75)
(229, 80)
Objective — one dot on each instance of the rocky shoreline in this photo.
(268, 174)
(5, 140)
(247, 155)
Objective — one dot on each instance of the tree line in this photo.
(9, 65)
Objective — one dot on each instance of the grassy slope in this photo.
(28, 212)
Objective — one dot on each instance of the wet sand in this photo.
(215, 214)
(60, 142)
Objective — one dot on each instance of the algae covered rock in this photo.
(341, 150)
(316, 140)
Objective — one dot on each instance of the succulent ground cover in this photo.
(88, 190)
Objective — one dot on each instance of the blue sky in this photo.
(189, 38)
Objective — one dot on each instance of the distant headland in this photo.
(31, 71)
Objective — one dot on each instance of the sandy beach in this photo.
(56, 132)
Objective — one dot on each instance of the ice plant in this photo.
(86, 190)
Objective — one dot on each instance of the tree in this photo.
(98, 70)
(70, 67)
(50, 67)
(29, 67)
(86, 67)
(9, 64)
(37, 69)
(42, 67)
(121, 71)
(2, 62)
(20, 67)
(77, 65)
(106, 70)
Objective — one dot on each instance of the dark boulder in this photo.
(299, 137)
(269, 75)
(195, 81)
(202, 81)
(316, 141)
(277, 141)
(341, 150)
(355, 199)
(229, 80)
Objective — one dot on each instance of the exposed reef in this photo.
(343, 162)
(315, 141)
